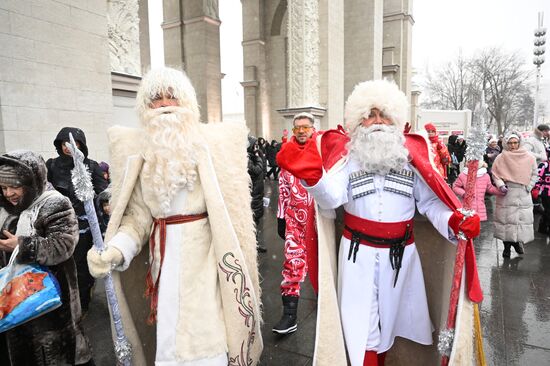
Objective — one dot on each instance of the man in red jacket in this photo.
(294, 206)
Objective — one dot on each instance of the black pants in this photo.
(545, 218)
(273, 171)
(85, 280)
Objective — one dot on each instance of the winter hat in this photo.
(9, 176)
(512, 134)
(104, 166)
(429, 127)
(104, 197)
(381, 94)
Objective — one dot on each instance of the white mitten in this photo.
(101, 264)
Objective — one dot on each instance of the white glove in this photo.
(101, 264)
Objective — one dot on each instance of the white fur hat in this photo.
(381, 94)
(165, 80)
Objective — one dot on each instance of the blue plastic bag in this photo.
(27, 291)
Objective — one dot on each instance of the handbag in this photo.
(27, 291)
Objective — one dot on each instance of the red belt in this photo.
(373, 230)
(397, 235)
(152, 287)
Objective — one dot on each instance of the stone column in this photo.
(331, 56)
(144, 42)
(398, 22)
(363, 32)
(303, 60)
(192, 42)
(256, 86)
(303, 53)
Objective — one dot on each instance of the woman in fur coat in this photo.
(515, 174)
(55, 338)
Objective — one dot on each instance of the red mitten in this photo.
(470, 225)
(302, 161)
(407, 128)
(535, 193)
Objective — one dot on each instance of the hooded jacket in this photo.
(57, 337)
(535, 145)
(59, 171)
(256, 172)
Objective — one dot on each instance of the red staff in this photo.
(474, 153)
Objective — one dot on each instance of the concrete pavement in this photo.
(515, 312)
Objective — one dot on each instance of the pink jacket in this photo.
(483, 185)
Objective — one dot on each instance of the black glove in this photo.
(281, 228)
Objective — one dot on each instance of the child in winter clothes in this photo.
(483, 185)
(542, 190)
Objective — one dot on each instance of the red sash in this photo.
(151, 289)
(374, 229)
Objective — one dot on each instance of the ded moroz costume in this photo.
(380, 178)
(182, 186)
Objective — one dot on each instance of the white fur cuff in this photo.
(127, 246)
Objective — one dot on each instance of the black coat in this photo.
(256, 172)
(59, 171)
(55, 338)
(456, 148)
(271, 153)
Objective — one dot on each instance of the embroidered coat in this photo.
(390, 198)
(55, 338)
(225, 252)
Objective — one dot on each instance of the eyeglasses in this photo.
(513, 143)
(301, 128)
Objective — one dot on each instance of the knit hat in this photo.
(429, 127)
(9, 176)
(104, 166)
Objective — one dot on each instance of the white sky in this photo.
(441, 29)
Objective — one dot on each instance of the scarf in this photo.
(514, 166)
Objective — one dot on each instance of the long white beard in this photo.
(170, 153)
(378, 148)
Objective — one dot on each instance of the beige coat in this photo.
(222, 164)
(514, 211)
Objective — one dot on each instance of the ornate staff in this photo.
(474, 153)
(84, 189)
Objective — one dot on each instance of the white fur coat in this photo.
(222, 167)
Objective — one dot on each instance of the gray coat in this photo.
(57, 337)
(514, 212)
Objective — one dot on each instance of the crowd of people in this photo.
(191, 192)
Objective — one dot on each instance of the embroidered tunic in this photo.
(373, 311)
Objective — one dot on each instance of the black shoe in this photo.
(261, 248)
(288, 323)
(518, 247)
(506, 251)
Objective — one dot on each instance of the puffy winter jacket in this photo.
(483, 185)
